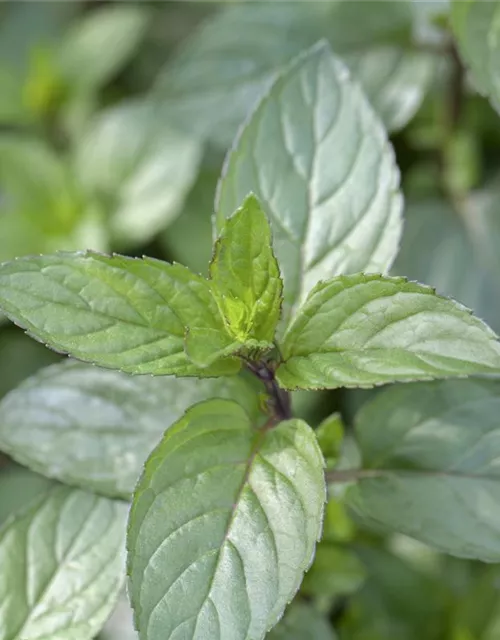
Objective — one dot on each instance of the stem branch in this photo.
(279, 399)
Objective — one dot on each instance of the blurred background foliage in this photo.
(114, 122)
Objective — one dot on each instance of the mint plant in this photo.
(227, 488)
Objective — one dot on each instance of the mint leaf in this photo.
(137, 169)
(62, 566)
(302, 622)
(117, 312)
(363, 330)
(331, 212)
(223, 525)
(118, 28)
(245, 275)
(222, 69)
(476, 25)
(430, 453)
(95, 428)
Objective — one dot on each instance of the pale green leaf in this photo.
(223, 525)
(138, 168)
(245, 275)
(62, 566)
(476, 24)
(118, 312)
(95, 428)
(221, 70)
(331, 212)
(430, 454)
(363, 330)
(302, 622)
(100, 44)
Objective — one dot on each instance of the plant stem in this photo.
(279, 399)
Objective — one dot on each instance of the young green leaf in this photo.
(94, 428)
(302, 622)
(431, 455)
(62, 566)
(137, 168)
(118, 312)
(223, 525)
(245, 275)
(318, 159)
(476, 24)
(363, 330)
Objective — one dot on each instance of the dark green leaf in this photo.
(363, 330)
(330, 212)
(95, 428)
(223, 525)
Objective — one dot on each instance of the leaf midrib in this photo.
(259, 441)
